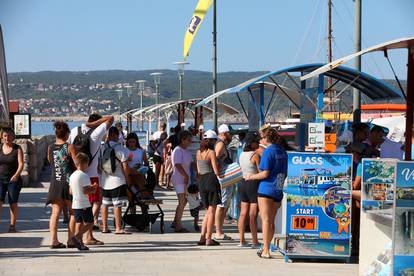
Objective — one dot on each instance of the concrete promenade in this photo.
(27, 251)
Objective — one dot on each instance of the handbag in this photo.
(230, 175)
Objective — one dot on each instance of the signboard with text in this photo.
(316, 135)
(318, 222)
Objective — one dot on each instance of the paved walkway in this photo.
(27, 252)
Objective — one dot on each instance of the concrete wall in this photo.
(35, 158)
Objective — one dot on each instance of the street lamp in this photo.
(181, 65)
(157, 80)
(141, 88)
(119, 91)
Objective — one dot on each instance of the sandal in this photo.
(57, 246)
(94, 242)
(259, 254)
(212, 243)
(12, 229)
(106, 231)
(122, 233)
(224, 238)
(200, 242)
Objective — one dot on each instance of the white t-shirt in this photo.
(77, 181)
(135, 157)
(116, 179)
(96, 138)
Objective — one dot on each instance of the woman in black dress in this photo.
(60, 156)
(11, 166)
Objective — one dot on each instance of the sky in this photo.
(259, 35)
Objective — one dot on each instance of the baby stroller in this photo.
(142, 196)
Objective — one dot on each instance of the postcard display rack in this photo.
(387, 218)
(318, 212)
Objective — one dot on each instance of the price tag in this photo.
(304, 223)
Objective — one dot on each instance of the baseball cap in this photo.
(210, 134)
(223, 129)
(252, 136)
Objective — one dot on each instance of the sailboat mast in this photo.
(330, 92)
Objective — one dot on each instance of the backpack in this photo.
(82, 143)
(107, 162)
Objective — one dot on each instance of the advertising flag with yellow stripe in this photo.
(198, 16)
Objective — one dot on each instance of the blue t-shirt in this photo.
(274, 159)
(359, 170)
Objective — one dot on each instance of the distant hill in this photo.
(196, 84)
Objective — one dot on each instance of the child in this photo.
(80, 187)
(194, 204)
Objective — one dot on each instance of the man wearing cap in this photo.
(223, 158)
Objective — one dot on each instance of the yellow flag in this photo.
(198, 16)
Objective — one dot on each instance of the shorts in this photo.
(270, 191)
(226, 196)
(209, 190)
(12, 189)
(96, 196)
(116, 197)
(157, 159)
(180, 188)
(248, 191)
(195, 212)
(83, 215)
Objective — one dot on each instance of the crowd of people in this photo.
(97, 166)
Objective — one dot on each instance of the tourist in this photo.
(114, 184)
(80, 186)
(94, 130)
(249, 163)
(374, 141)
(223, 157)
(273, 171)
(262, 142)
(194, 204)
(181, 160)
(11, 166)
(209, 186)
(170, 144)
(157, 148)
(360, 132)
(61, 156)
(122, 133)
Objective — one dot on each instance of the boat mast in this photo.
(330, 91)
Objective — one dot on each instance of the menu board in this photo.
(318, 222)
(403, 223)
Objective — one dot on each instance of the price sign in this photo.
(304, 223)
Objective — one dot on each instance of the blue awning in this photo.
(372, 87)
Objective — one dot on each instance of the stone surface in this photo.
(27, 253)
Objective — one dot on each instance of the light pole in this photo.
(119, 91)
(141, 88)
(157, 80)
(181, 65)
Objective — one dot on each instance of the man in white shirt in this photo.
(114, 183)
(97, 127)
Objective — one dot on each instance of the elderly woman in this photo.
(11, 165)
(273, 170)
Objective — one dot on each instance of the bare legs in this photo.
(219, 221)
(117, 217)
(57, 208)
(268, 209)
(96, 207)
(208, 225)
(182, 201)
(251, 209)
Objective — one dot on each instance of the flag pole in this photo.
(214, 63)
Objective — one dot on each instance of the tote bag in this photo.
(230, 175)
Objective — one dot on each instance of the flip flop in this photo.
(57, 246)
(259, 254)
(201, 242)
(122, 233)
(106, 231)
(224, 238)
(212, 243)
(94, 242)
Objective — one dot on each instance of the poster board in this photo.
(318, 213)
(22, 125)
(403, 223)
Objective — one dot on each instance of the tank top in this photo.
(62, 163)
(204, 166)
(9, 163)
(246, 166)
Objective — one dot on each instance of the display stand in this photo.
(318, 211)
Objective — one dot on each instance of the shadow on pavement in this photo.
(20, 242)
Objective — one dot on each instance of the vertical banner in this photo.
(403, 228)
(198, 16)
(318, 217)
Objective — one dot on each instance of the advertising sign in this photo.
(316, 135)
(318, 222)
(22, 125)
(403, 228)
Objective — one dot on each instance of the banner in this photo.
(403, 226)
(198, 16)
(318, 215)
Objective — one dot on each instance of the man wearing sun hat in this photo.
(223, 157)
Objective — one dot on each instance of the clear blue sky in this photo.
(148, 34)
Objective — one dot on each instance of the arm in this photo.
(16, 176)
(259, 176)
(218, 149)
(48, 155)
(255, 160)
(72, 152)
(90, 189)
(213, 160)
(144, 158)
(356, 185)
(109, 120)
(182, 172)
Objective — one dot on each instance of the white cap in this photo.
(223, 129)
(182, 124)
(201, 127)
(210, 134)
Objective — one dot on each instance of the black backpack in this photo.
(82, 143)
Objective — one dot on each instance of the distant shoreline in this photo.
(59, 118)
